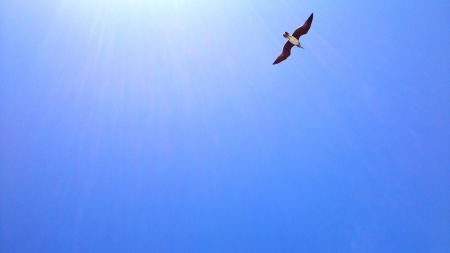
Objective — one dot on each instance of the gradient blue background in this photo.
(162, 126)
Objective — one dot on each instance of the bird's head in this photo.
(285, 34)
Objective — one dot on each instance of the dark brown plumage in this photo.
(296, 34)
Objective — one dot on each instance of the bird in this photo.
(293, 39)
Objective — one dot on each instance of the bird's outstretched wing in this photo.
(304, 28)
(285, 53)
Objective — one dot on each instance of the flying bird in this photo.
(293, 39)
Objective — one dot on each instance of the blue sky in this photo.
(162, 126)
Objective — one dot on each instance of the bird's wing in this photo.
(285, 53)
(304, 28)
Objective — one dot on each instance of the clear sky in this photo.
(162, 126)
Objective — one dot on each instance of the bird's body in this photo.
(293, 40)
